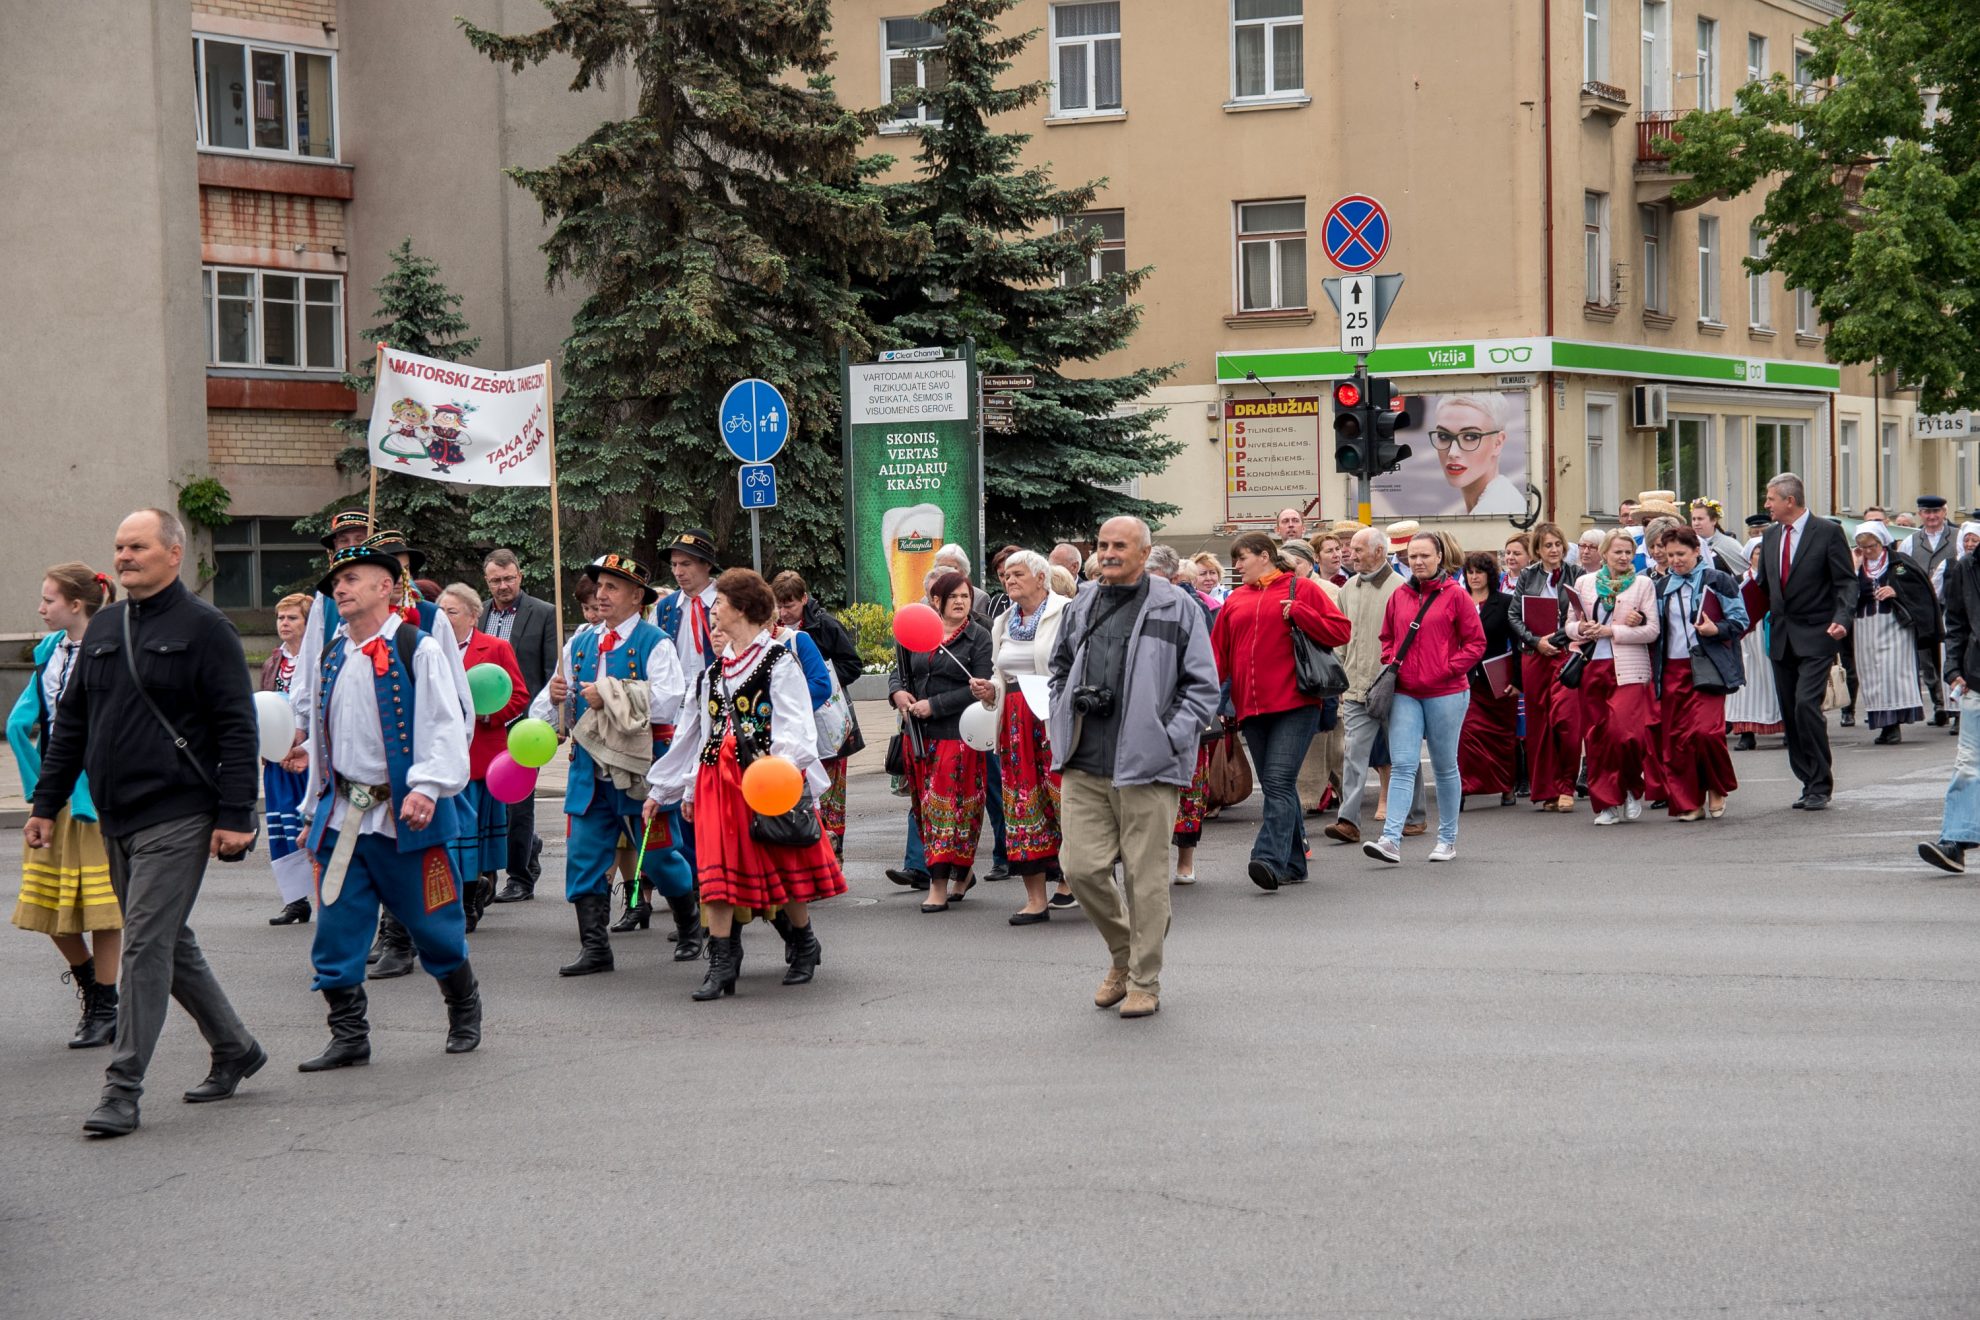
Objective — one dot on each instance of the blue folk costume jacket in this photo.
(625, 661)
(398, 704)
(670, 616)
(27, 731)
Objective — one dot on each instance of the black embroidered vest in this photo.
(746, 705)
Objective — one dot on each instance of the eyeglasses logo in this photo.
(1501, 356)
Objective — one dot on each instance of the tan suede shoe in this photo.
(1112, 990)
(1140, 1003)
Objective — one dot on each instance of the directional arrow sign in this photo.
(999, 403)
(1369, 295)
(1009, 382)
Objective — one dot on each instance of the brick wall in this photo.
(272, 11)
(272, 438)
(270, 220)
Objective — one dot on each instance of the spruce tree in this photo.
(721, 231)
(1010, 263)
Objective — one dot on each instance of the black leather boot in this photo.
(804, 955)
(292, 914)
(593, 912)
(689, 933)
(475, 896)
(98, 1024)
(463, 996)
(398, 959)
(782, 923)
(724, 965)
(377, 945)
(350, 1034)
(638, 916)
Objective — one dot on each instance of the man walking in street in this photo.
(1959, 828)
(1364, 600)
(1810, 578)
(1935, 547)
(529, 626)
(1133, 685)
(163, 721)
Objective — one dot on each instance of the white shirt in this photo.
(1677, 627)
(357, 743)
(686, 652)
(1796, 530)
(309, 659)
(793, 732)
(55, 676)
(662, 669)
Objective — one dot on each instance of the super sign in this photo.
(1356, 233)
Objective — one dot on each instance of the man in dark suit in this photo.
(1810, 578)
(529, 626)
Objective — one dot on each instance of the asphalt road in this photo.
(1727, 1070)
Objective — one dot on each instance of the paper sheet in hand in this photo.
(1540, 614)
(1037, 691)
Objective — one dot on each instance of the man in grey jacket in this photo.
(1133, 685)
(529, 626)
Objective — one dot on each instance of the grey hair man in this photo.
(1810, 579)
(1364, 600)
(1133, 684)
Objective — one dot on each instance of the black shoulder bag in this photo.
(797, 828)
(1317, 671)
(1382, 692)
(178, 739)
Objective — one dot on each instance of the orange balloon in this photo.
(772, 785)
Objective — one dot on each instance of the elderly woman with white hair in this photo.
(1468, 431)
(1021, 641)
(1896, 613)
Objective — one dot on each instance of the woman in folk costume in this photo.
(753, 702)
(282, 782)
(1615, 627)
(1702, 619)
(947, 780)
(1896, 613)
(65, 888)
(1756, 708)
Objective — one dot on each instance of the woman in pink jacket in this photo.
(1615, 627)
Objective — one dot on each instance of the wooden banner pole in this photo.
(556, 527)
(370, 459)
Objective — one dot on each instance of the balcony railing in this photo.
(1656, 133)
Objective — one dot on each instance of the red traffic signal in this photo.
(1347, 394)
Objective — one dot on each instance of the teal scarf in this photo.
(1608, 588)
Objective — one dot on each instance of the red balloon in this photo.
(918, 628)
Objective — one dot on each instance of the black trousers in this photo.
(522, 840)
(1801, 682)
(1928, 673)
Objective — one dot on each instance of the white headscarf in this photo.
(1874, 568)
(1966, 529)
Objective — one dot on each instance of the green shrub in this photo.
(872, 627)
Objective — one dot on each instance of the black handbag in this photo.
(1317, 671)
(1705, 675)
(1570, 675)
(797, 828)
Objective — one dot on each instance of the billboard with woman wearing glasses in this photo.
(1468, 458)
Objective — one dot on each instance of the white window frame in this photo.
(1887, 465)
(210, 305)
(1963, 473)
(1759, 283)
(1806, 322)
(1655, 39)
(1709, 310)
(920, 118)
(1756, 68)
(1849, 442)
(1275, 238)
(1096, 262)
(1594, 41)
(1708, 64)
(292, 118)
(1654, 251)
(1604, 485)
(1595, 249)
(1091, 41)
(1272, 27)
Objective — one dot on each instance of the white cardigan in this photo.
(1048, 637)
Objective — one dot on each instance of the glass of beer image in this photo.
(910, 538)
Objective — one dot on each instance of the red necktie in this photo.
(608, 642)
(380, 653)
(1787, 558)
(700, 619)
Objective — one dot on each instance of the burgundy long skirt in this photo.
(1488, 744)
(1553, 727)
(1696, 759)
(1619, 720)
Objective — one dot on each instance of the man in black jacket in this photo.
(1810, 578)
(529, 626)
(167, 799)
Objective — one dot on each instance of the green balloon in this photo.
(491, 688)
(532, 743)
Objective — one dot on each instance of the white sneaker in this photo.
(1444, 852)
(1609, 817)
(1185, 877)
(1633, 808)
(1382, 850)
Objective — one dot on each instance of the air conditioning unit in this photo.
(1650, 407)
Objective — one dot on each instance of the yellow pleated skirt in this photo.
(65, 887)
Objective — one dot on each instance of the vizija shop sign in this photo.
(1492, 356)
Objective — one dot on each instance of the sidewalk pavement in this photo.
(874, 721)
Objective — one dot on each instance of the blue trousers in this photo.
(380, 873)
(993, 805)
(1278, 744)
(613, 818)
(1414, 721)
(1962, 819)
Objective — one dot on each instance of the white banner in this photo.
(449, 422)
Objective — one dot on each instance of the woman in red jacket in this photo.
(1252, 639)
(480, 855)
(1433, 625)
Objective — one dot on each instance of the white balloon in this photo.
(978, 726)
(276, 723)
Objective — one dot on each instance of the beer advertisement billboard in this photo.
(913, 473)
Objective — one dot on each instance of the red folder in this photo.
(1540, 614)
(1755, 597)
(1498, 673)
(1712, 609)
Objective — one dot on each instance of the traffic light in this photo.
(1354, 426)
(1388, 410)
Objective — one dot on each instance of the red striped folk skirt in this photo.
(1190, 807)
(1488, 744)
(1031, 790)
(1696, 759)
(1620, 719)
(1553, 727)
(736, 869)
(947, 787)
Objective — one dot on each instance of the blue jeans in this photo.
(1962, 822)
(1411, 721)
(916, 858)
(993, 805)
(1278, 744)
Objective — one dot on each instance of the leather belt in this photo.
(362, 798)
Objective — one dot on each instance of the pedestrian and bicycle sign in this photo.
(755, 421)
(756, 485)
(1355, 233)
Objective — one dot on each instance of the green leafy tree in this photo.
(1874, 171)
(455, 525)
(1010, 268)
(722, 231)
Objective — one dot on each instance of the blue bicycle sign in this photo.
(756, 486)
(754, 421)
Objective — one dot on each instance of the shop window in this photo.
(257, 561)
(264, 100)
(1271, 256)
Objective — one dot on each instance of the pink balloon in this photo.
(918, 628)
(509, 782)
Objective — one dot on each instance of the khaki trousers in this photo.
(1322, 765)
(1098, 823)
